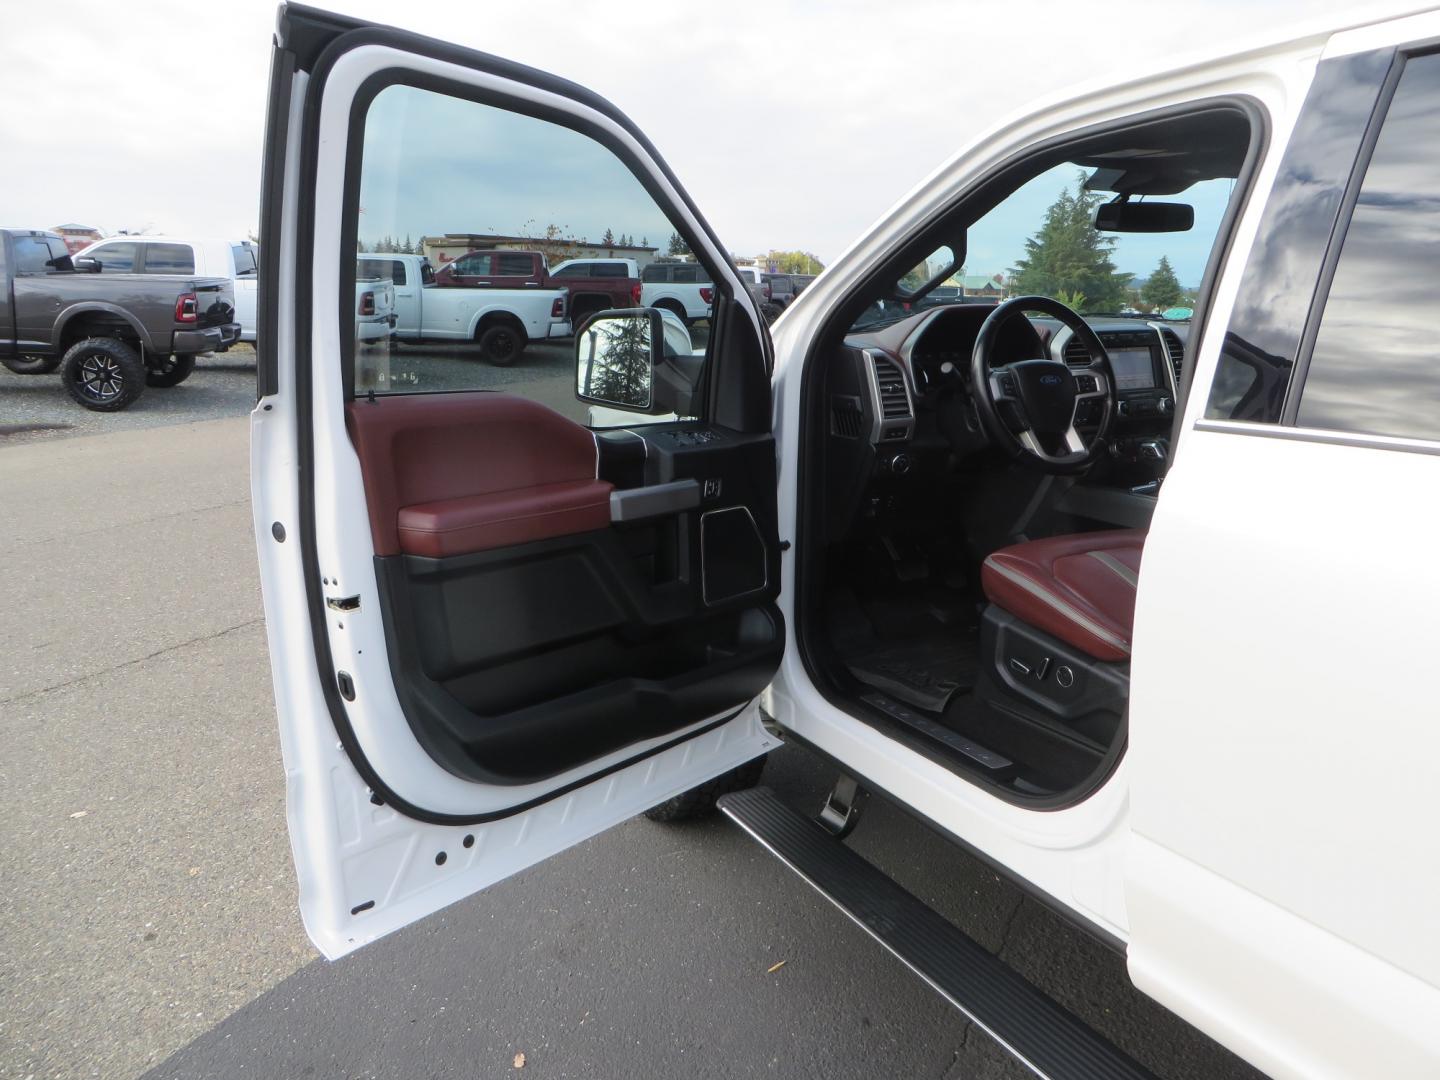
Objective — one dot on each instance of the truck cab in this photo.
(1106, 601)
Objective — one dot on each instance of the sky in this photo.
(793, 125)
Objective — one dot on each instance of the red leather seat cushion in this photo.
(1080, 588)
(481, 522)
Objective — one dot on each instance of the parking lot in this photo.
(147, 910)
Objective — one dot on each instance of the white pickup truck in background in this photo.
(683, 288)
(374, 306)
(500, 321)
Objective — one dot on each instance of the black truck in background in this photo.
(111, 334)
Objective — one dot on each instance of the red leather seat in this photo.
(1080, 588)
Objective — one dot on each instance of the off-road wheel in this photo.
(699, 801)
(103, 374)
(501, 344)
(171, 371)
(32, 365)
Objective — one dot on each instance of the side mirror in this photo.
(616, 353)
(87, 264)
(1144, 217)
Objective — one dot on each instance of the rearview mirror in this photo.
(615, 357)
(1144, 217)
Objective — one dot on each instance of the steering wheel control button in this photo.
(1064, 676)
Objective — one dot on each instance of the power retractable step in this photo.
(1043, 1036)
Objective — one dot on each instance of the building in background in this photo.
(78, 236)
(444, 249)
(991, 287)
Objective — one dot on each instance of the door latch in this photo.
(343, 603)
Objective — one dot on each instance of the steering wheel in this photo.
(1028, 407)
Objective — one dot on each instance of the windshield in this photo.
(1041, 240)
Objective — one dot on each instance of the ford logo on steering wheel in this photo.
(1049, 380)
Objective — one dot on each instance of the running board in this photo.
(1053, 1043)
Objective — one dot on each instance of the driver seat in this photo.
(1078, 588)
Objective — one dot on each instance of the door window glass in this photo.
(1373, 369)
(434, 165)
(116, 258)
(169, 259)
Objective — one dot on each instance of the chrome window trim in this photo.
(1319, 435)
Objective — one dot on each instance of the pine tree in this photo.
(1069, 256)
(608, 240)
(1163, 289)
(678, 245)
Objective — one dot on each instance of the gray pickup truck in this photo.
(111, 334)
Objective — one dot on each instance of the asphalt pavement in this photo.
(147, 909)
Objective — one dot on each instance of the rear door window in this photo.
(169, 259)
(1373, 369)
(519, 265)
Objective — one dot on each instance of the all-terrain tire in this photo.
(32, 365)
(104, 374)
(701, 800)
(172, 371)
(502, 344)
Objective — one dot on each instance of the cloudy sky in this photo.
(794, 125)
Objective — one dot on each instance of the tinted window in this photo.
(394, 269)
(169, 259)
(655, 272)
(572, 271)
(244, 259)
(473, 265)
(116, 258)
(516, 265)
(607, 269)
(1374, 368)
(31, 255)
(685, 273)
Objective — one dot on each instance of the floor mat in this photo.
(925, 673)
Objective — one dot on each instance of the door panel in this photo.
(476, 662)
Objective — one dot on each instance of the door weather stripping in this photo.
(1051, 1042)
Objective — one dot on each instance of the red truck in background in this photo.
(590, 285)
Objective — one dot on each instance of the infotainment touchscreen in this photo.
(1133, 369)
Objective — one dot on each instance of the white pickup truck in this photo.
(500, 321)
(684, 288)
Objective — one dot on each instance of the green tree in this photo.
(795, 262)
(677, 245)
(608, 240)
(1163, 289)
(1069, 255)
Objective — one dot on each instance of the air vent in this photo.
(1176, 351)
(847, 418)
(890, 380)
(1076, 355)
